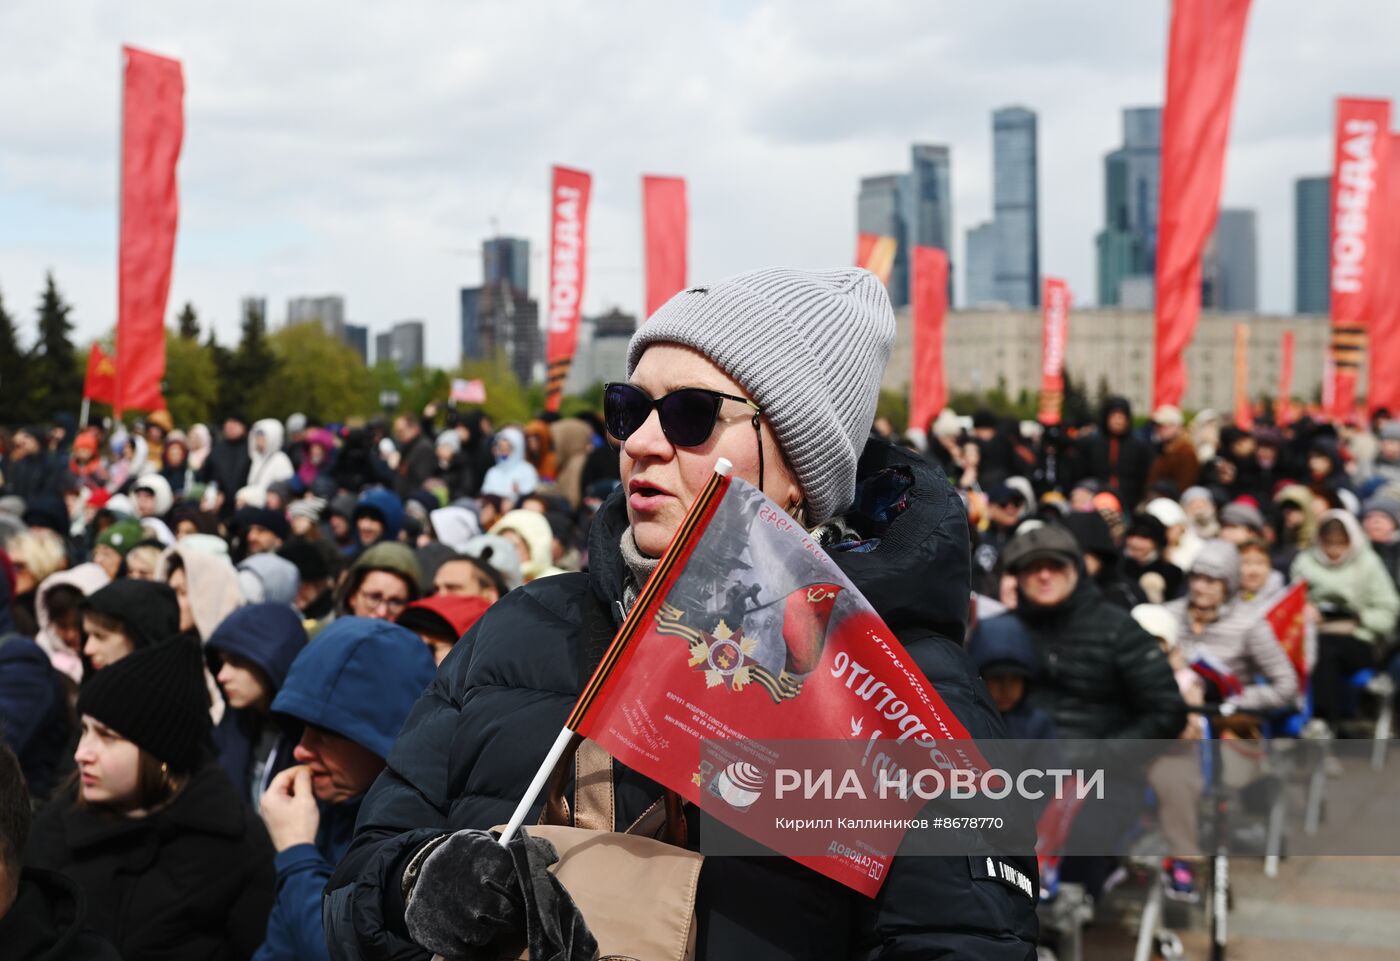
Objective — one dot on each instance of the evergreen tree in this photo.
(57, 381)
(14, 372)
(223, 375)
(189, 322)
(251, 367)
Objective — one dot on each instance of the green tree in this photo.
(14, 372)
(57, 384)
(316, 374)
(1077, 407)
(251, 369)
(191, 379)
(188, 322)
(894, 405)
(588, 401)
(222, 359)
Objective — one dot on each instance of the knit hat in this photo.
(1383, 505)
(122, 536)
(810, 347)
(1196, 493)
(1221, 560)
(309, 507)
(388, 556)
(1237, 514)
(311, 563)
(271, 520)
(450, 440)
(147, 610)
(1169, 512)
(156, 699)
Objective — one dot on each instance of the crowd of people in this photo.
(210, 639)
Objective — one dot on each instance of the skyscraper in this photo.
(357, 337)
(1127, 246)
(931, 202)
(981, 264)
(403, 344)
(328, 311)
(1312, 204)
(1229, 271)
(1015, 206)
(506, 259)
(880, 209)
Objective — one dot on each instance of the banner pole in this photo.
(83, 414)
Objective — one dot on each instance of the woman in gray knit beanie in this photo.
(778, 371)
(792, 362)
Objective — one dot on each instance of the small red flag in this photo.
(748, 632)
(1287, 620)
(100, 384)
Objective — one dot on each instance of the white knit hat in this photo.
(809, 346)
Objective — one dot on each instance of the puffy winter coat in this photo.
(48, 922)
(1100, 675)
(359, 679)
(33, 709)
(1358, 582)
(191, 880)
(1121, 461)
(476, 738)
(271, 465)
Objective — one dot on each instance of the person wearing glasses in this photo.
(779, 371)
(383, 581)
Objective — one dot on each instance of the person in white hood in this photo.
(61, 638)
(268, 464)
(1183, 543)
(513, 476)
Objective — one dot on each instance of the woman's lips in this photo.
(648, 500)
(89, 780)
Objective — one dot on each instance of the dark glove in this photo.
(473, 900)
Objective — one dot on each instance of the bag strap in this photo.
(594, 806)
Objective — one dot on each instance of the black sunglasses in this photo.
(688, 416)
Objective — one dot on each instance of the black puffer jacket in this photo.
(474, 740)
(1120, 461)
(193, 880)
(1099, 674)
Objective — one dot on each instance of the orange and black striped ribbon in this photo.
(672, 562)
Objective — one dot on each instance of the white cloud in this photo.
(368, 149)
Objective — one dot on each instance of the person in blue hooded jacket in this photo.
(378, 517)
(254, 647)
(351, 691)
(33, 715)
(1004, 653)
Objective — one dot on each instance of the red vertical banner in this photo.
(1284, 413)
(928, 386)
(153, 127)
(1054, 305)
(1383, 358)
(665, 214)
(1361, 149)
(568, 249)
(1244, 413)
(100, 384)
(1202, 62)
(875, 253)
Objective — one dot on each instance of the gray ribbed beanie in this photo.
(810, 347)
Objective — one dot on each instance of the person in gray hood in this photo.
(268, 579)
(1220, 630)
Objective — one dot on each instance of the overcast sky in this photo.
(368, 149)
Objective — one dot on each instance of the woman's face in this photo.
(1254, 571)
(181, 586)
(103, 646)
(108, 765)
(663, 480)
(1335, 545)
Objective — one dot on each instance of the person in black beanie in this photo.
(126, 616)
(171, 860)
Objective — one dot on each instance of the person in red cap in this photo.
(441, 620)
